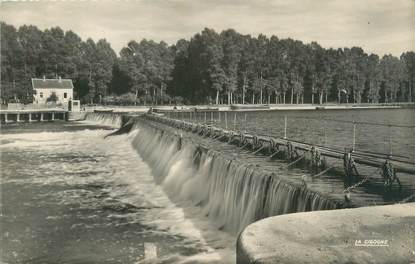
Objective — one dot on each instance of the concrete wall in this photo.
(378, 234)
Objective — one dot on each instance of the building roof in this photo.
(52, 83)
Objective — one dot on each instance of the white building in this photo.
(52, 90)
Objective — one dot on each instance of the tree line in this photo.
(28, 53)
(210, 68)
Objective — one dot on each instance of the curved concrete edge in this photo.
(378, 234)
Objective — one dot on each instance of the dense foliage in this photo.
(29, 52)
(211, 67)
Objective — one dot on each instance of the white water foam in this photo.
(231, 194)
(82, 158)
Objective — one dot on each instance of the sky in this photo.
(378, 26)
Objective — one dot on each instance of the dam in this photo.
(229, 179)
(322, 167)
(185, 185)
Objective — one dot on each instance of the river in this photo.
(69, 195)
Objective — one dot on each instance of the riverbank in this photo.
(250, 107)
(378, 234)
(238, 107)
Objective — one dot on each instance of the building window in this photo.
(41, 94)
(65, 95)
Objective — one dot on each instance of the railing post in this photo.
(245, 123)
(354, 134)
(285, 127)
(205, 117)
(234, 122)
(390, 140)
(226, 120)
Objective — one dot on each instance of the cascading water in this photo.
(106, 119)
(82, 182)
(231, 193)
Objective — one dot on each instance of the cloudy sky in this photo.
(379, 26)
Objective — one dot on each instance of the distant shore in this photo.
(248, 107)
(236, 107)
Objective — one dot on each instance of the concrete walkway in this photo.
(378, 234)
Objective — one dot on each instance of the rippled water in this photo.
(330, 128)
(321, 127)
(333, 129)
(71, 196)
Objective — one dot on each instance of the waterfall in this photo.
(231, 193)
(106, 119)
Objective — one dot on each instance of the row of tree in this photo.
(29, 53)
(211, 67)
(234, 68)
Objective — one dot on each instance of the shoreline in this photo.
(220, 108)
(14, 115)
(251, 107)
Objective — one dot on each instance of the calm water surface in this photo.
(320, 127)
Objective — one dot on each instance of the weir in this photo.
(232, 193)
(195, 162)
(273, 144)
(316, 158)
(109, 119)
